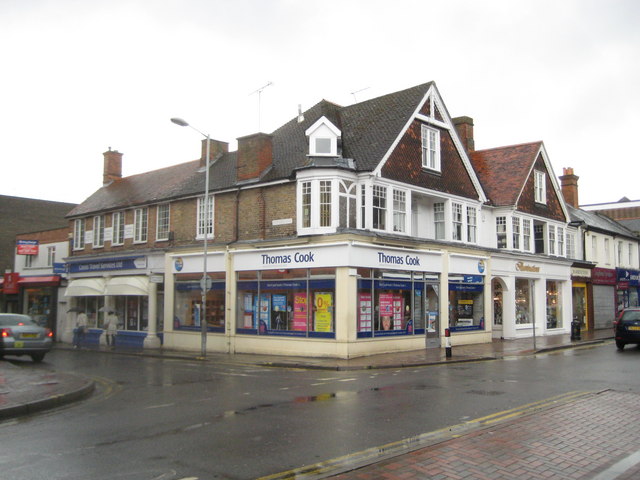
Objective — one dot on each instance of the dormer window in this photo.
(323, 138)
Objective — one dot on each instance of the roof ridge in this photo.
(504, 147)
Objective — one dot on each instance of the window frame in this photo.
(205, 225)
(457, 222)
(79, 231)
(399, 201)
(98, 231)
(141, 225)
(51, 255)
(439, 224)
(430, 147)
(117, 227)
(501, 232)
(540, 186)
(472, 224)
(325, 203)
(526, 234)
(161, 219)
(515, 232)
(379, 207)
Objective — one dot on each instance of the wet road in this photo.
(173, 419)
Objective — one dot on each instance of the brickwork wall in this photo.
(47, 236)
(552, 209)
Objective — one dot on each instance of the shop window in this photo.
(554, 307)
(392, 303)
(524, 301)
(466, 302)
(188, 302)
(296, 302)
(94, 309)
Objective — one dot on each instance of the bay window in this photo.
(438, 220)
(501, 232)
(471, 225)
(399, 210)
(379, 207)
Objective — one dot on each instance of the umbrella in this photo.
(75, 309)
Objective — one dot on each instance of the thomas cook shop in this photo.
(342, 299)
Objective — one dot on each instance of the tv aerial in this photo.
(259, 92)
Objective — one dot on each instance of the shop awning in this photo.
(52, 280)
(85, 287)
(127, 285)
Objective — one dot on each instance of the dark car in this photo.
(20, 335)
(627, 327)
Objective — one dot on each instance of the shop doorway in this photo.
(497, 294)
(580, 305)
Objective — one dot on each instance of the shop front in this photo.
(582, 293)
(531, 297)
(628, 281)
(604, 298)
(341, 299)
(130, 287)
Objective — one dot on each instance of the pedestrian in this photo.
(80, 330)
(111, 328)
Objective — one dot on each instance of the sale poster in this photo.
(300, 311)
(323, 320)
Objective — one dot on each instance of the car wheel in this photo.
(37, 357)
(620, 345)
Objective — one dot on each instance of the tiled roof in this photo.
(503, 171)
(149, 187)
(599, 221)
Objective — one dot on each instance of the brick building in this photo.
(347, 231)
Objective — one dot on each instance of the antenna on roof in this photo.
(355, 100)
(259, 92)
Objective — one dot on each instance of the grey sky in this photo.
(82, 76)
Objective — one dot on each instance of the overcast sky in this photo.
(80, 76)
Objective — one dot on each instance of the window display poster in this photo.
(279, 308)
(249, 318)
(323, 312)
(398, 307)
(300, 311)
(364, 312)
(265, 311)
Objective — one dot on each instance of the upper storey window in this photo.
(78, 234)
(540, 186)
(430, 148)
(323, 138)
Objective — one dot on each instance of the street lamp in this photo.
(205, 283)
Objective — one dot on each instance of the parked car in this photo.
(627, 327)
(20, 335)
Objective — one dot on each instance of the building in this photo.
(18, 216)
(347, 231)
(40, 275)
(607, 279)
(624, 211)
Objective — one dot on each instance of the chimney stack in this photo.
(464, 127)
(569, 185)
(112, 166)
(216, 147)
(255, 155)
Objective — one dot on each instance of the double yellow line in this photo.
(375, 454)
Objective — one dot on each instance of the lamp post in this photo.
(205, 283)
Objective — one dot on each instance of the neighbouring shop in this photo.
(127, 286)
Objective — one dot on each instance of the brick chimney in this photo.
(112, 166)
(569, 185)
(216, 147)
(464, 127)
(255, 155)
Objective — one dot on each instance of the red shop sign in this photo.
(10, 285)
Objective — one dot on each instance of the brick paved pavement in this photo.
(581, 439)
